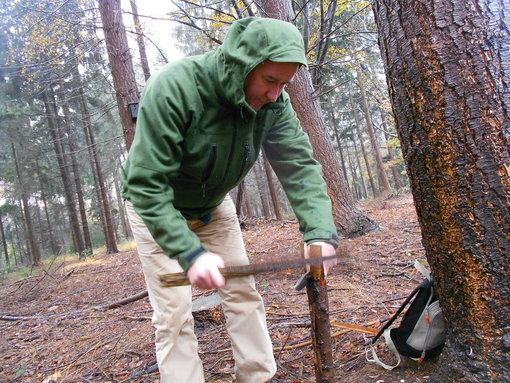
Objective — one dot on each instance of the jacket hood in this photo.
(248, 43)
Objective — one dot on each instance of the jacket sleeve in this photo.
(289, 152)
(154, 156)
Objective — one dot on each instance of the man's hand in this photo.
(328, 250)
(205, 273)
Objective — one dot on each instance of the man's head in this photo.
(254, 50)
(266, 82)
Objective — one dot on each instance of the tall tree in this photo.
(51, 114)
(349, 220)
(121, 64)
(70, 136)
(448, 70)
(97, 169)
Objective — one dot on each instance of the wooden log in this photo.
(316, 290)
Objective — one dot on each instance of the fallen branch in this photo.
(108, 306)
(122, 302)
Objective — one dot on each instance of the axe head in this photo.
(302, 281)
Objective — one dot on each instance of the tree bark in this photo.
(448, 70)
(121, 64)
(350, 221)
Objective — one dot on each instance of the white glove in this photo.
(205, 273)
(328, 250)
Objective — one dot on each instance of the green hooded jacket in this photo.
(197, 137)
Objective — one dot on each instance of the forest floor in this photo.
(67, 335)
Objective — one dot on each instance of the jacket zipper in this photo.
(246, 155)
(208, 168)
(229, 159)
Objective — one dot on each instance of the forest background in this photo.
(62, 142)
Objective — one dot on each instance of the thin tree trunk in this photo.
(383, 179)
(73, 149)
(139, 40)
(86, 123)
(21, 248)
(49, 104)
(324, 40)
(239, 198)
(394, 171)
(339, 145)
(47, 215)
(34, 249)
(106, 215)
(122, 214)
(448, 70)
(364, 188)
(261, 188)
(375, 191)
(121, 64)
(4, 242)
(272, 189)
(356, 180)
(247, 205)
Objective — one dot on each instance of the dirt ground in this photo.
(66, 334)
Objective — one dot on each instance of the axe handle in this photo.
(181, 279)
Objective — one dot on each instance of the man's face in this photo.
(265, 83)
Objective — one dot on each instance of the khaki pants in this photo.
(176, 343)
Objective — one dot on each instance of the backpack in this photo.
(421, 333)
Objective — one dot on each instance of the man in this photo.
(202, 122)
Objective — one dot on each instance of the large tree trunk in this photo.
(448, 70)
(350, 221)
(121, 64)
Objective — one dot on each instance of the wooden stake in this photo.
(317, 292)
